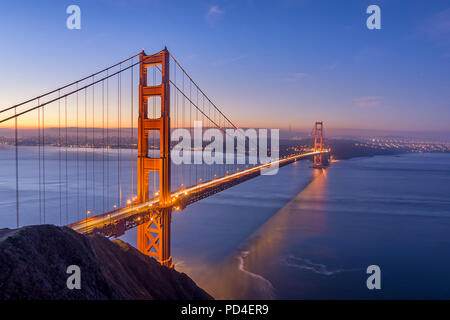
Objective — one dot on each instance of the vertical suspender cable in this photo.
(191, 127)
(154, 138)
(203, 167)
(107, 140)
(85, 153)
(43, 157)
(67, 178)
(196, 165)
(78, 162)
(132, 135)
(118, 142)
(209, 127)
(103, 145)
(59, 157)
(93, 145)
(173, 113)
(17, 169)
(183, 182)
(39, 164)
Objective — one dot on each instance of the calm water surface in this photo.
(301, 234)
(305, 234)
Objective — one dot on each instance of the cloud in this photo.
(439, 24)
(293, 3)
(300, 75)
(214, 14)
(297, 76)
(368, 101)
(437, 28)
(333, 66)
(228, 60)
(370, 53)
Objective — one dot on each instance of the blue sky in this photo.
(266, 63)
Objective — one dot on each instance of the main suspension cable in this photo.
(69, 93)
(67, 85)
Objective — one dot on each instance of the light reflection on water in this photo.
(389, 211)
(231, 278)
(208, 237)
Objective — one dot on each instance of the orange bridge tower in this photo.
(318, 144)
(154, 235)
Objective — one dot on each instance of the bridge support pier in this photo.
(154, 236)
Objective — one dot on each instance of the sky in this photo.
(274, 64)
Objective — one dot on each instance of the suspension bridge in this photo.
(95, 154)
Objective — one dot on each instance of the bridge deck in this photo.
(114, 223)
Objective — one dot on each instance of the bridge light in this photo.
(114, 206)
(128, 201)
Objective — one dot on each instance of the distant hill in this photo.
(34, 260)
(341, 149)
(346, 149)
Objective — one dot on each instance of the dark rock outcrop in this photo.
(34, 260)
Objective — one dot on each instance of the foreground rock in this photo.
(34, 260)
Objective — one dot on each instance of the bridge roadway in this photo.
(114, 223)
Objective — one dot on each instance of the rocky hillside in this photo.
(34, 261)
